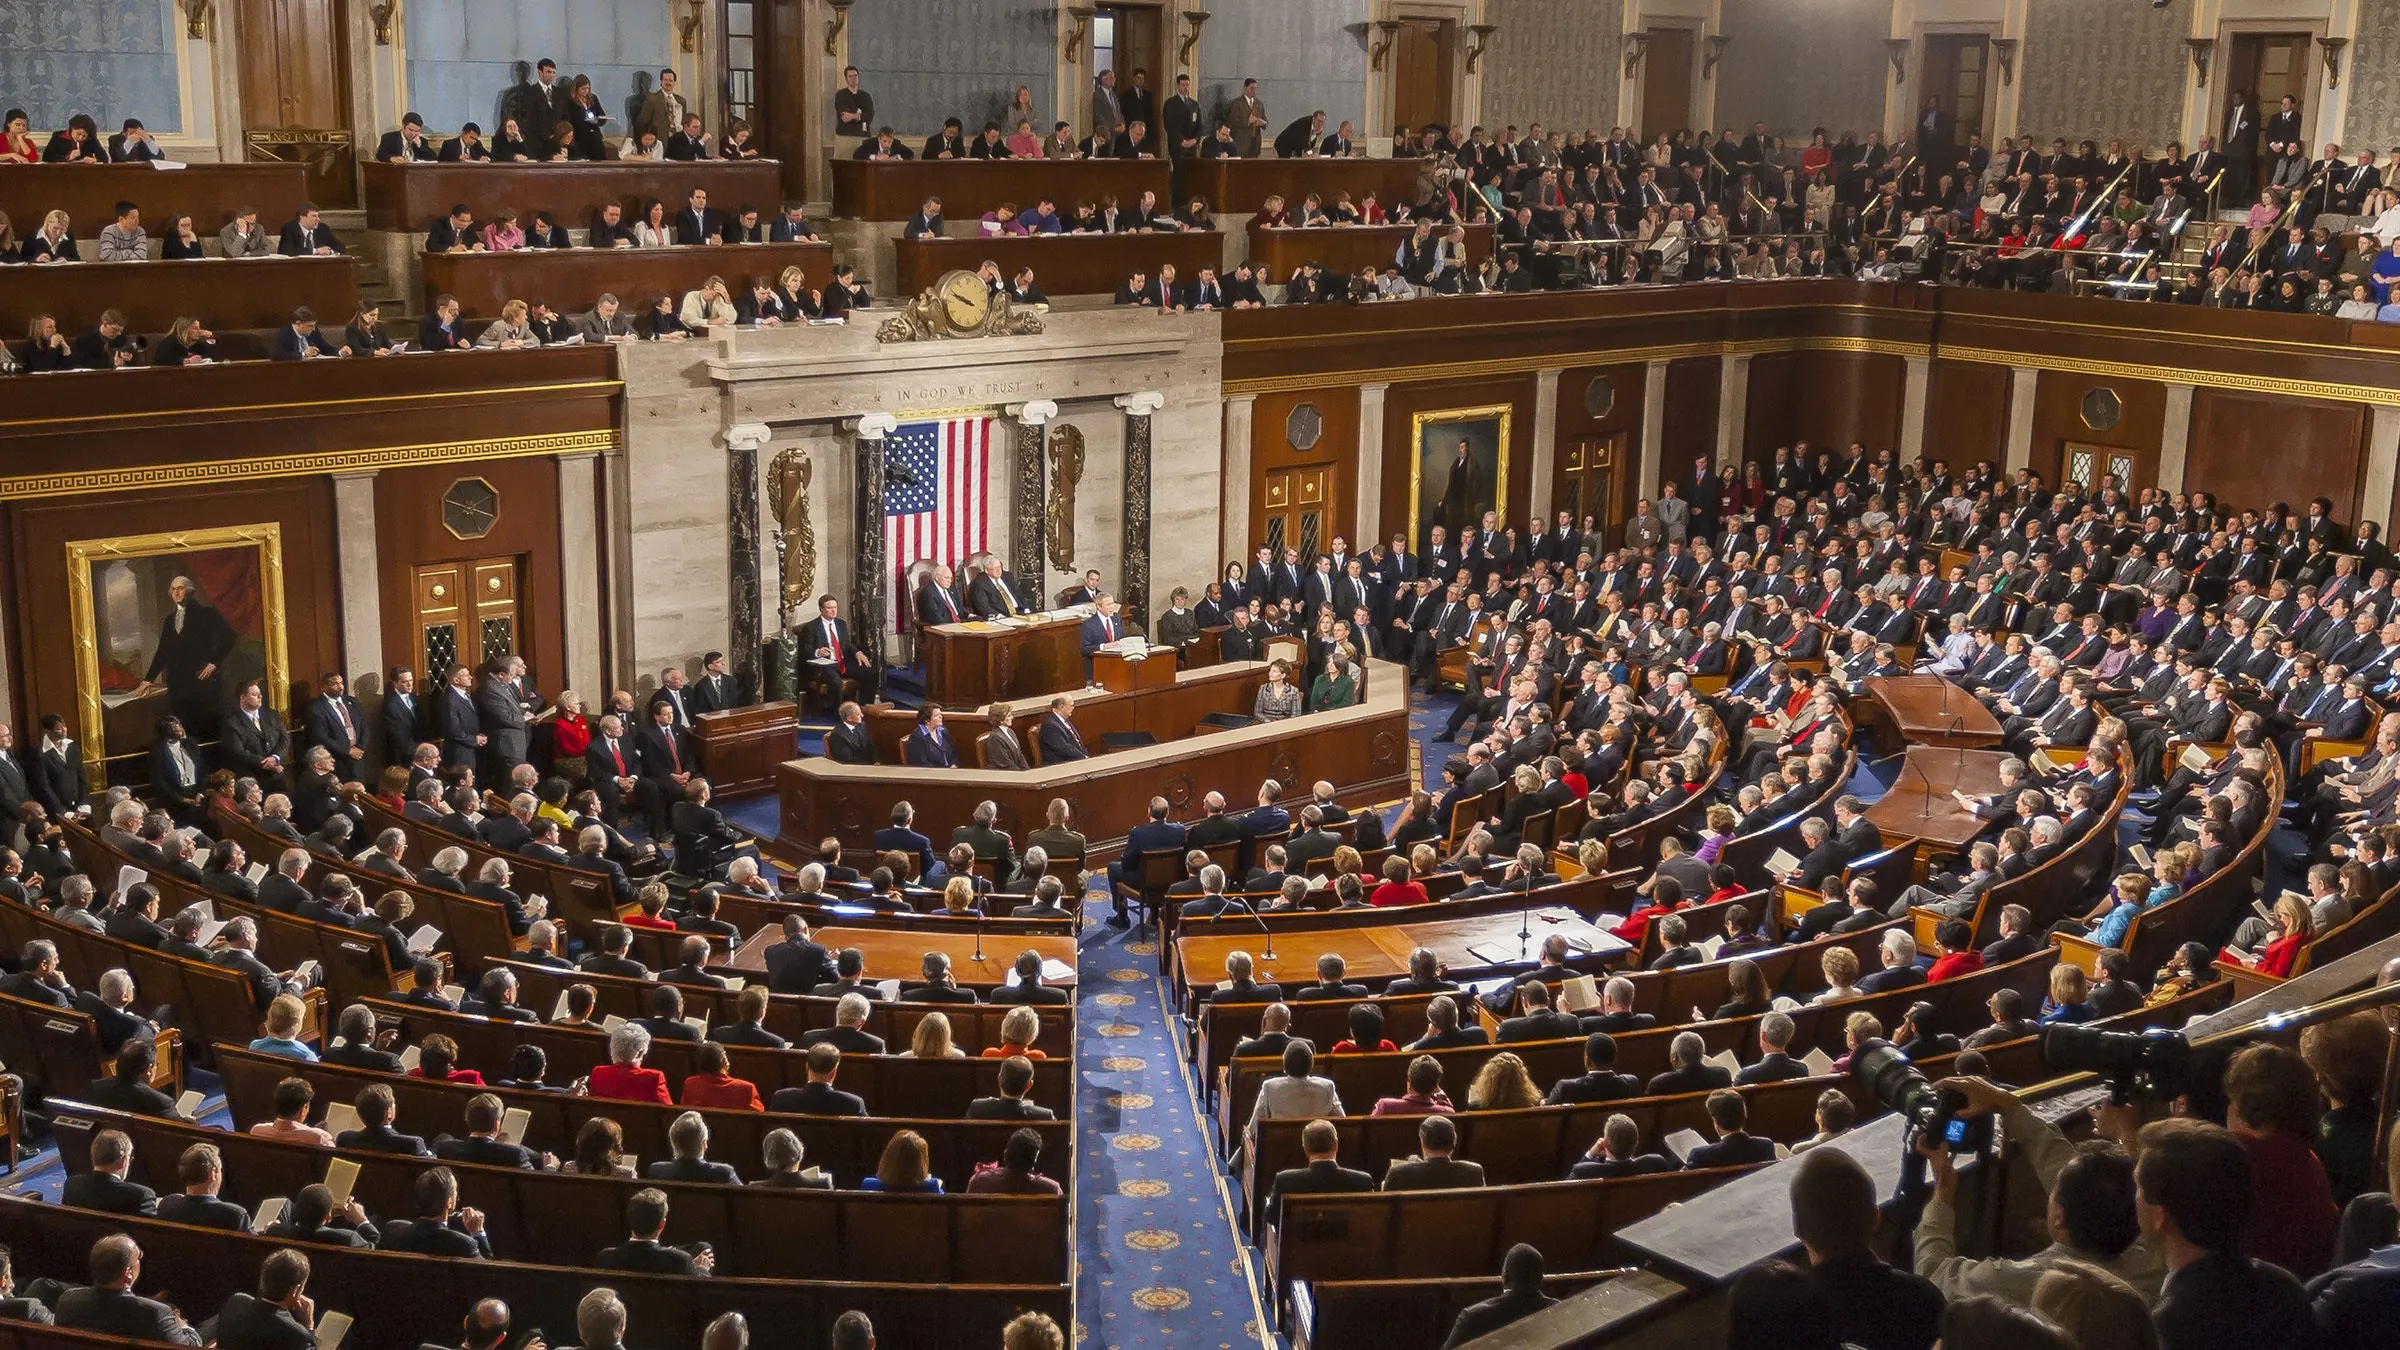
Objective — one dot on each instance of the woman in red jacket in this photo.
(623, 1078)
(715, 1085)
(1397, 889)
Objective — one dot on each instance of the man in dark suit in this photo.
(694, 224)
(37, 978)
(1775, 1063)
(936, 983)
(405, 719)
(1016, 1079)
(300, 339)
(1058, 739)
(1323, 1175)
(797, 965)
(1536, 1020)
(461, 724)
(929, 746)
(993, 594)
(1734, 1146)
(1027, 987)
(665, 752)
(646, 1218)
(832, 657)
(1599, 1081)
(336, 722)
(305, 235)
(440, 1227)
(406, 145)
(715, 690)
(278, 1316)
(109, 1306)
(253, 741)
(818, 1096)
(901, 837)
(937, 600)
(848, 742)
(1520, 1296)
(57, 780)
(1158, 835)
(1105, 626)
(482, 1142)
(105, 1188)
(202, 1171)
(612, 767)
(1433, 1169)
(1688, 1073)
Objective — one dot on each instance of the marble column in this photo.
(579, 561)
(1733, 408)
(869, 583)
(745, 628)
(2022, 381)
(2383, 465)
(1029, 497)
(362, 576)
(1133, 582)
(2174, 441)
(1912, 407)
(1234, 541)
(1545, 442)
(1654, 428)
(1369, 510)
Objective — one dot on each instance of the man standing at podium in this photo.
(833, 657)
(1105, 626)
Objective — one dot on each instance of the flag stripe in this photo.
(937, 495)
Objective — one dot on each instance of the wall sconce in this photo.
(2203, 49)
(1082, 15)
(1712, 50)
(1636, 43)
(1196, 18)
(384, 15)
(687, 26)
(1482, 35)
(2006, 50)
(1898, 48)
(2332, 48)
(835, 25)
(195, 19)
(1387, 32)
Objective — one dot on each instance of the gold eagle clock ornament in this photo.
(960, 305)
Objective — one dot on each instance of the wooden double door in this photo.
(467, 613)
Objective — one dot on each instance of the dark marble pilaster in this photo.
(744, 624)
(871, 582)
(1133, 583)
(1029, 497)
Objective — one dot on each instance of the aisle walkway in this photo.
(1157, 1259)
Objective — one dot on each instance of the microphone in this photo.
(1269, 930)
(979, 922)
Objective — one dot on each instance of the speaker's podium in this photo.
(1129, 664)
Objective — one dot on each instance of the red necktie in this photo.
(1108, 630)
(833, 643)
(617, 755)
(674, 755)
(342, 711)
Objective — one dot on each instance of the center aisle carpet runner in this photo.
(1157, 1259)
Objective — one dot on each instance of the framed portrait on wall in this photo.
(172, 625)
(1460, 471)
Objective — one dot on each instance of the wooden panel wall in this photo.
(1824, 398)
(409, 535)
(1966, 413)
(1271, 447)
(2058, 419)
(1689, 429)
(1630, 386)
(2251, 450)
(40, 530)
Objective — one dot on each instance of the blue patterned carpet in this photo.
(1158, 1262)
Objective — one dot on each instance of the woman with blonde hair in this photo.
(1503, 1085)
(1841, 975)
(1592, 856)
(1018, 1031)
(805, 300)
(509, 332)
(2070, 995)
(931, 1040)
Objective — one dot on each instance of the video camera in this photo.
(1930, 1112)
(2155, 1064)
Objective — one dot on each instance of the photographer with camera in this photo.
(2090, 1216)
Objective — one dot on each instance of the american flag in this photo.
(936, 485)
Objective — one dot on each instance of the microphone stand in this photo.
(1524, 916)
(979, 922)
(1269, 930)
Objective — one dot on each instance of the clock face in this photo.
(966, 301)
(470, 508)
(1304, 427)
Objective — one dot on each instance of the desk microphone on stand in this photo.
(978, 957)
(1269, 930)
(1525, 917)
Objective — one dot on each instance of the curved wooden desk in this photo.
(1465, 944)
(899, 955)
(1928, 710)
(1362, 750)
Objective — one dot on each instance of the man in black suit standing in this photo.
(462, 725)
(253, 741)
(832, 657)
(715, 690)
(335, 722)
(665, 752)
(848, 742)
(109, 1306)
(193, 638)
(57, 769)
(404, 715)
(1059, 740)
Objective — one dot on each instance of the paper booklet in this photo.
(1724, 1059)
(408, 1059)
(1682, 1143)
(341, 1118)
(1781, 861)
(331, 1327)
(1709, 946)
(513, 1122)
(1580, 993)
(559, 1012)
(129, 877)
(188, 1105)
(268, 1212)
(422, 940)
(1820, 1064)
(2194, 758)
(340, 1175)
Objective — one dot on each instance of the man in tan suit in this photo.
(662, 109)
(1249, 118)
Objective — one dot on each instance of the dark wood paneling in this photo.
(1689, 429)
(1271, 451)
(409, 534)
(2058, 419)
(1966, 413)
(1063, 264)
(208, 193)
(225, 296)
(970, 187)
(410, 197)
(1240, 185)
(1405, 401)
(41, 529)
(1824, 398)
(2251, 451)
(572, 278)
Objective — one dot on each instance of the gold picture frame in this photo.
(1494, 420)
(85, 559)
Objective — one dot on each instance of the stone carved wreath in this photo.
(1066, 475)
